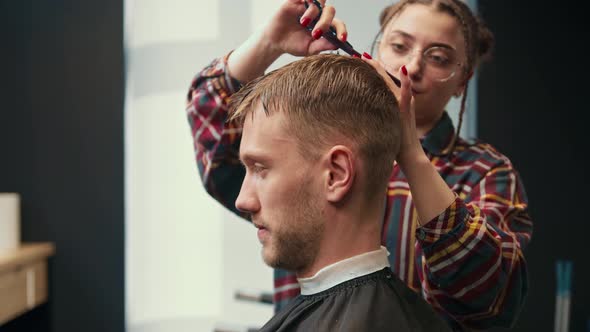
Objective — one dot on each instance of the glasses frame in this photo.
(413, 52)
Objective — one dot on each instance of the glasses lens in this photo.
(440, 63)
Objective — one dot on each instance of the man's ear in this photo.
(340, 172)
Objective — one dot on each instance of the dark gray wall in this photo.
(61, 144)
(531, 104)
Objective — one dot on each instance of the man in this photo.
(319, 140)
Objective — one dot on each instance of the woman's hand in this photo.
(286, 31)
(410, 149)
(430, 192)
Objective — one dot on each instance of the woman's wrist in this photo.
(430, 192)
(252, 58)
(412, 160)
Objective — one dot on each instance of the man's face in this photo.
(281, 192)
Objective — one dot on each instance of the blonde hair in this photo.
(330, 96)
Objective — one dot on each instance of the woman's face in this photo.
(431, 46)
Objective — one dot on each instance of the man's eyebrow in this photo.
(243, 159)
(250, 158)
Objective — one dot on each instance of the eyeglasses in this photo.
(438, 63)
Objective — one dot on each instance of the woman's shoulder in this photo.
(478, 151)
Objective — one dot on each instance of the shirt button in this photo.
(421, 234)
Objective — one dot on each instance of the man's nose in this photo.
(247, 200)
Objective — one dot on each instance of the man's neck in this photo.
(344, 270)
(345, 238)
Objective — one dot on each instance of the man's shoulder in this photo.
(377, 302)
(418, 314)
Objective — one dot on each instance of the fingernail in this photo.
(317, 33)
(343, 37)
(356, 56)
(305, 21)
(367, 55)
(404, 70)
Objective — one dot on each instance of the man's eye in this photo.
(256, 168)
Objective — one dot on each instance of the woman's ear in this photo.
(340, 173)
(461, 88)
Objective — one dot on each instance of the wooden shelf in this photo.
(23, 279)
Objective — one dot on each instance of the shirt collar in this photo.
(437, 141)
(344, 270)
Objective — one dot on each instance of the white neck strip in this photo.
(344, 270)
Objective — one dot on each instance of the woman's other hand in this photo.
(410, 148)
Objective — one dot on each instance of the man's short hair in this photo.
(331, 99)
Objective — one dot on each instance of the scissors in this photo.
(331, 36)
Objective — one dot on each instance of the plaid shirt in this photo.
(467, 262)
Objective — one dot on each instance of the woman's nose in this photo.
(415, 66)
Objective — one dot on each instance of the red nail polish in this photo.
(305, 21)
(404, 70)
(317, 33)
(343, 37)
(367, 55)
(356, 56)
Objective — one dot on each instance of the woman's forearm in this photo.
(430, 193)
(252, 58)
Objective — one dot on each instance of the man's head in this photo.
(319, 139)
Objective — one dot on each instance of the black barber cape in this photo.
(374, 302)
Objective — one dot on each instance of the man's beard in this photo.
(295, 245)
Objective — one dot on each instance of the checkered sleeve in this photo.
(473, 265)
(216, 141)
